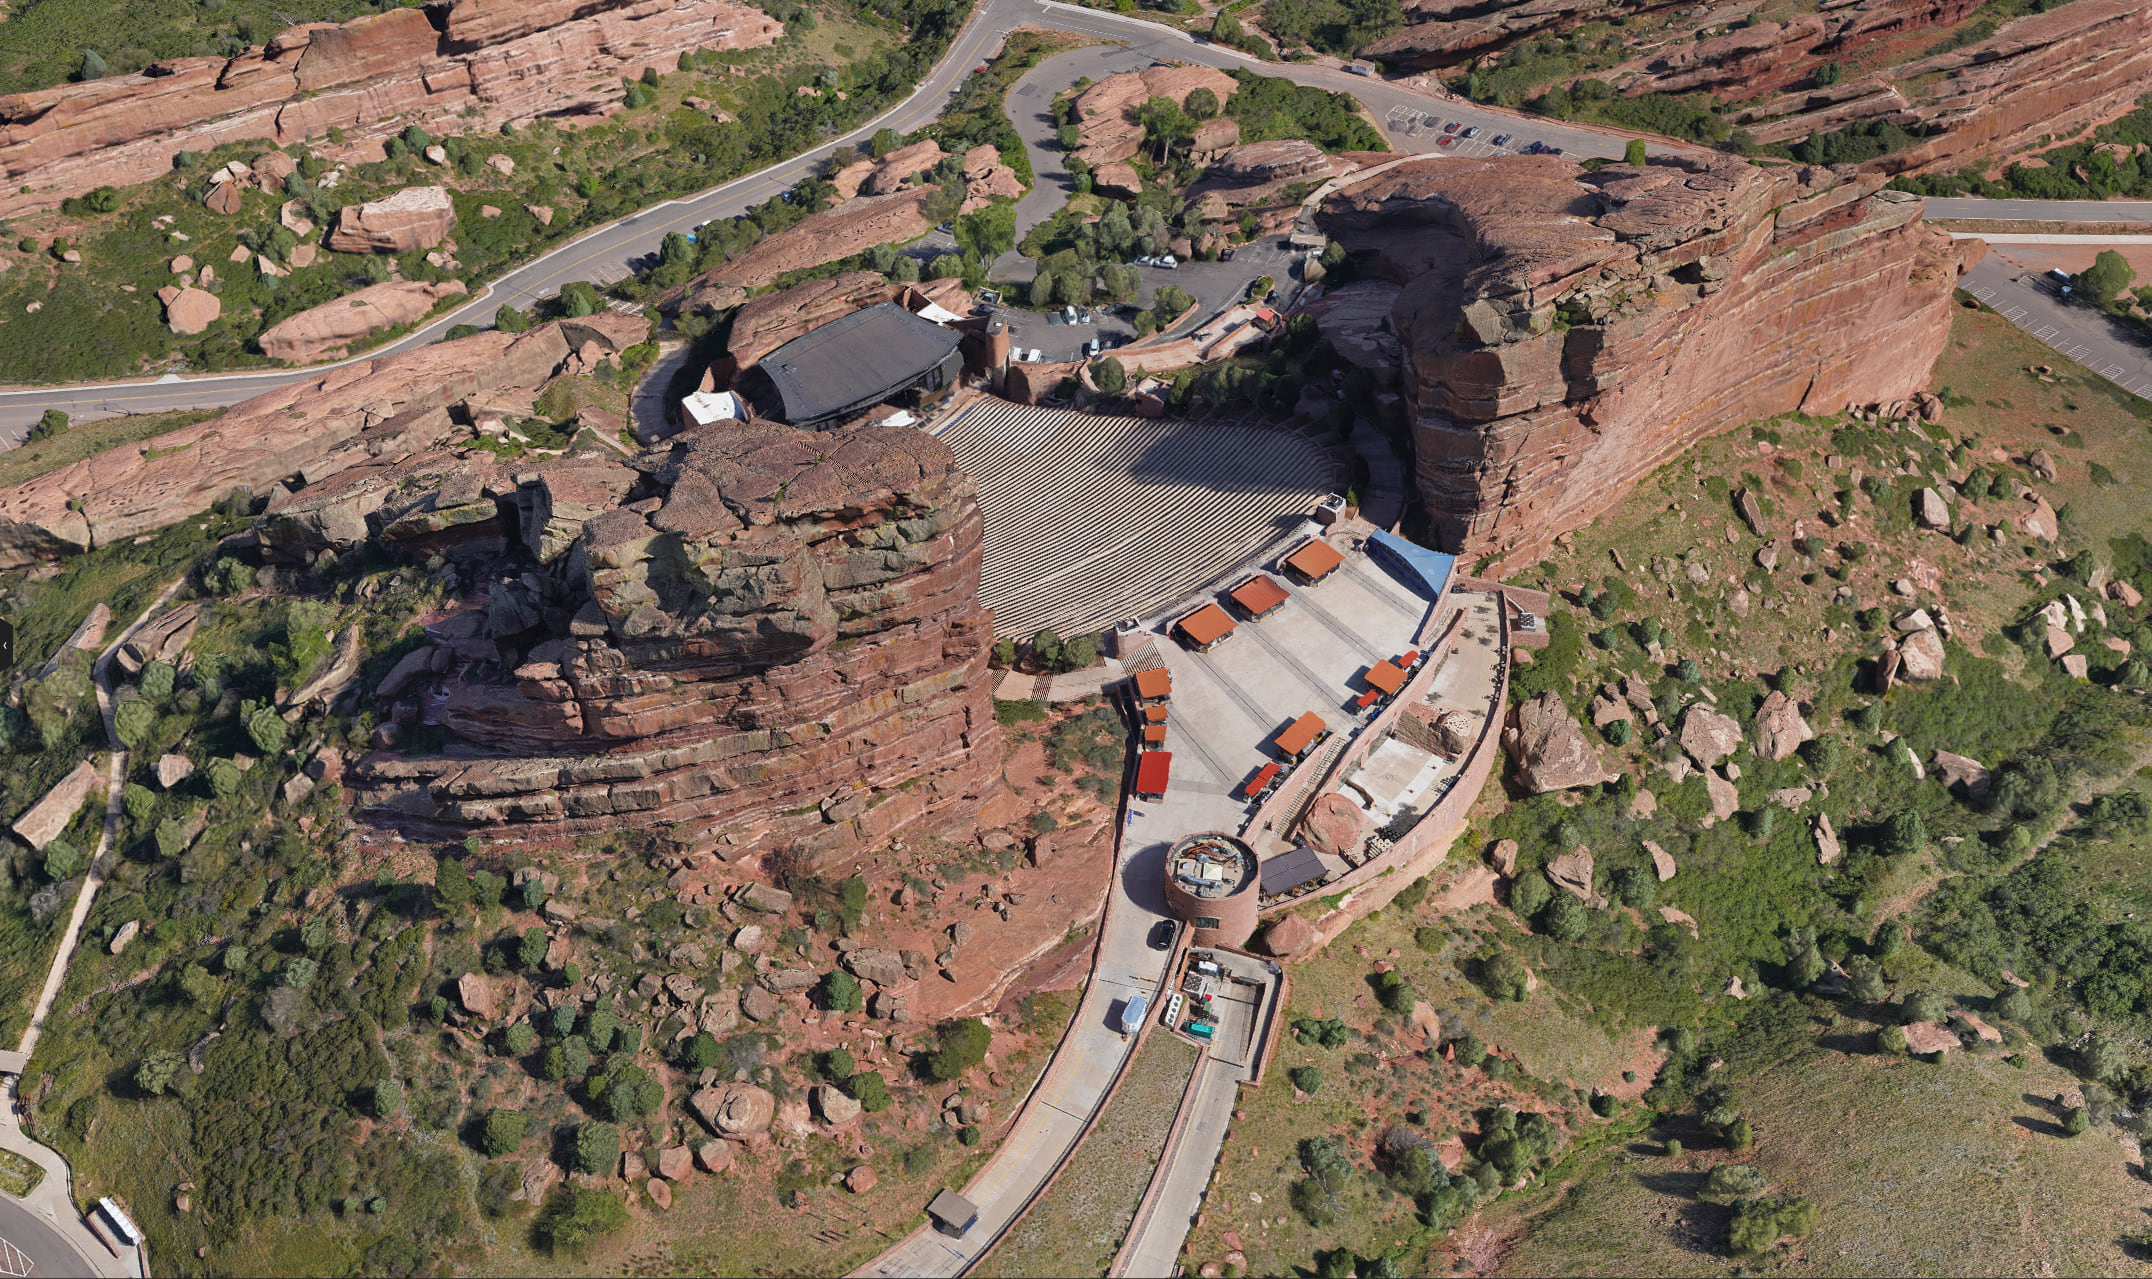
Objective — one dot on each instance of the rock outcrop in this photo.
(721, 631)
(470, 65)
(852, 227)
(368, 413)
(1549, 749)
(322, 331)
(2044, 75)
(413, 218)
(1563, 333)
(191, 310)
(1107, 128)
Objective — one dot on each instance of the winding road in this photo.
(606, 253)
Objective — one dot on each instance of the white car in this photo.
(1169, 262)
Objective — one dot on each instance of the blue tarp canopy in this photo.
(1420, 567)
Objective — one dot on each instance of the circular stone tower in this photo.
(1211, 882)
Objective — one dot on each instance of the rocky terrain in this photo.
(1554, 334)
(1106, 112)
(772, 632)
(372, 412)
(2045, 74)
(479, 63)
(852, 227)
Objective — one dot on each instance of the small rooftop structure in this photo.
(1260, 596)
(1154, 684)
(1385, 676)
(1315, 561)
(953, 1214)
(1210, 865)
(1289, 870)
(1263, 777)
(1154, 770)
(1301, 734)
(1429, 570)
(120, 1221)
(1154, 735)
(1154, 714)
(704, 407)
(1205, 627)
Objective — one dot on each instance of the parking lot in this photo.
(1412, 129)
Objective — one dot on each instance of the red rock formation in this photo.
(1564, 333)
(724, 631)
(413, 218)
(851, 227)
(365, 413)
(1106, 112)
(491, 62)
(324, 330)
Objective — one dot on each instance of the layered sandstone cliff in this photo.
(2049, 74)
(469, 64)
(367, 412)
(770, 635)
(1558, 334)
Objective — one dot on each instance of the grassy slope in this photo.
(1079, 1225)
(1916, 1169)
(1589, 1020)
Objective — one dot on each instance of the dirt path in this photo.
(115, 785)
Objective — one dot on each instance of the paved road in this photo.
(30, 1246)
(605, 254)
(2040, 210)
(2107, 347)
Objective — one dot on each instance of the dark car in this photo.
(1164, 933)
(1226, 255)
(1501, 140)
(1451, 127)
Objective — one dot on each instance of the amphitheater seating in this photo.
(1093, 519)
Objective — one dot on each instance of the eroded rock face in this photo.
(476, 63)
(736, 1110)
(852, 227)
(368, 414)
(1780, 729)
(1106, 112)
(413, 218)
(325, 330)
(1563, 333)
(1550, 750)
(720, 631)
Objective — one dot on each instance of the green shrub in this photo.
(503, 1132)
(158, 1071)
(576, 1218)
(597, 1148)
(1757, 1224)
(1505, 976)
(63, 861)
(840, 992)
(1734, 1181)
(870, 1090)
(963, 1045)
(1308, 1079)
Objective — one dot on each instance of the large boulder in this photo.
(893, 172)
(882, 967)
(1572, 873)
(736, 1111)
(1708, 736)
(835, 1105)
(413, 218)
(1780, 730)
(327, 329)
(1920, 656)
(192, 310)
(1968, 777)
(43, 821)
(476, 993)
(1289, 936)
(1337, 826)
(1550, 749)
